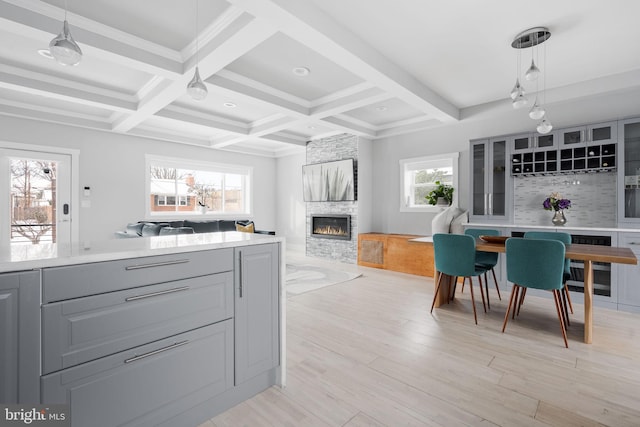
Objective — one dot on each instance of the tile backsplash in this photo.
(593, 199)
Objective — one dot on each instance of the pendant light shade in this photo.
(545, 126)
(520, 101)
(196, 87)
(517, 90)
(532, 73)
(64, 48)
(536, 112)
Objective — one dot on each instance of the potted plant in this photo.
(442, 195)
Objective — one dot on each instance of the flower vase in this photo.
(558, 218)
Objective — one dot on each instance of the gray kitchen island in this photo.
(167, 330)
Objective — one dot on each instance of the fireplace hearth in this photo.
(331, 226)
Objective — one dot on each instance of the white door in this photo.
(35, 188)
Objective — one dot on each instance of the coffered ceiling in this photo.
(376, 68)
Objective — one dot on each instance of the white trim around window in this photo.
(428, 163)
(246, 173)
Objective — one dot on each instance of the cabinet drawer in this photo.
(61, 283)
(148, 384)
(84, 329)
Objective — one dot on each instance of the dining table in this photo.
(575, 251)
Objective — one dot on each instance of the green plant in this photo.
(441, 190)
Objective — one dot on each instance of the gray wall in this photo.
(113, 165)
(291, 208)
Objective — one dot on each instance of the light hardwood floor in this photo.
(368, 353)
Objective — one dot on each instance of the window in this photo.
(181, 186)
(418, 177)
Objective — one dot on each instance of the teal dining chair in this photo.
(539, 264)
(455, 256)
(566, 239)
(486, 260)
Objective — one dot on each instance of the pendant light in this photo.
(536, 112)
(63, 47)
(545, 125)
(517, 93)
(196, 87)
(529, 39)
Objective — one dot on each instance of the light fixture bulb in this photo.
(536, 112)
(64, 49)
(520, 101)
(196, 87)
(545, 126)
(517, 89)
(532, 73)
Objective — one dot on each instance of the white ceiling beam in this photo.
(24, 84)
(312, 27)
(43, 114)
(211, 122)
(214, 58)
(349, 127)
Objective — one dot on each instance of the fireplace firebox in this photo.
(331, 226)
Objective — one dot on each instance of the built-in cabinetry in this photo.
(256, 311)
(629, 285)
(594, 134)
(629, 172)
(490, 194)
(19, 337)
(160, 340)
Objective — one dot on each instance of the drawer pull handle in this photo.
(155, 294)
(156, 264)
(160, 350)
(240, 271)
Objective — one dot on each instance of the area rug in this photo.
(305, 278)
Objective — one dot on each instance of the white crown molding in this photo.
(206, 115)
(259, 86)
(336, 96)
(53, 117)
(45, 110)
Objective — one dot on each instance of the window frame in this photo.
(403, 167)
(190, 164)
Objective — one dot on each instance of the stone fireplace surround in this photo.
(325, 150)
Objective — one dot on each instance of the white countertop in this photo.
(554, 228)
(28, 257)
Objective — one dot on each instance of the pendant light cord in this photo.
(197, 50)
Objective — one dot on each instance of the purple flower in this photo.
(556, 202)
(564, 204)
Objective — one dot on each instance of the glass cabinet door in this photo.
(497, 202)
(631, 168)
(478, 165)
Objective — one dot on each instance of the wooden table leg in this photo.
(588, 301)
(445, 290)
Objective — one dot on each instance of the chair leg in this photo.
(496, 282)
(556, 297)
(437, 290)
(514, 297)
(565, 308)
(473, 301)
(522, 295)
(481, 291)
(486, 288)
(516, 301)
(462, 289)
(566, 291)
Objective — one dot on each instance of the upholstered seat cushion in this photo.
(203, 226)
(176, 230)
(151, 229)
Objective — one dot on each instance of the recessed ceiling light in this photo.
(301, 71)
(45, 53)
(381, 108)
(311, 127)
(229, 105)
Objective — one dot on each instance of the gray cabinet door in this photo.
(628, 289)
(19, 332)
(84, 329)
(256, 310)
(149, 384)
